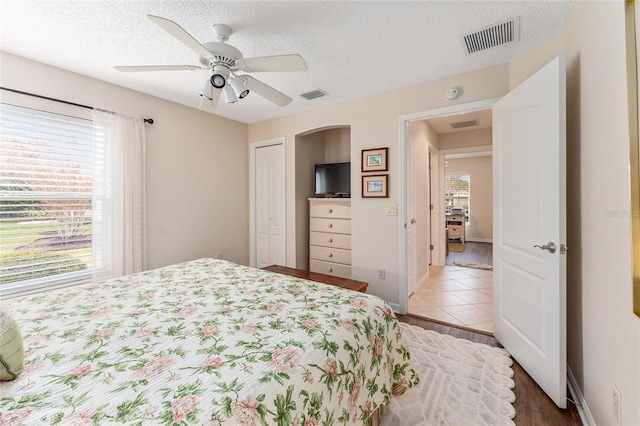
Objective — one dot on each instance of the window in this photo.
(457, 193)
(46, 173)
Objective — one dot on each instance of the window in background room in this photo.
(46, 172)
(457, 193)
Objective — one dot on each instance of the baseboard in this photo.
(581, 404)
(422, 281)
(479, 240)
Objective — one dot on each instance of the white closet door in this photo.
(276, 205)
(269, 205)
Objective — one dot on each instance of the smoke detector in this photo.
(452, 94)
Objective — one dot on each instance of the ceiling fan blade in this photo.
(279, 63)
(266, 91)
(207, 104)
(138, 68)
(178, 32)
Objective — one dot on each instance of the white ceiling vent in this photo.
(461, 124)
(314, 94)
(499, 34)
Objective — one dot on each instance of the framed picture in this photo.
(375, 160)
(375, 186)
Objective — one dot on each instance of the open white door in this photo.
(411, 215)
(529, 255)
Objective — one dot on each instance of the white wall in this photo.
(468, 139)
(197, 163)
(337, 145)
(374, 123)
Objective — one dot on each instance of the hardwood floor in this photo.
(473, 252)
(533, 406)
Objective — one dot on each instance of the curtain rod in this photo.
(146, 120)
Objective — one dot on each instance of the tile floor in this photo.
(456, 295)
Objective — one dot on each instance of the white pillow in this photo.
(11, 348)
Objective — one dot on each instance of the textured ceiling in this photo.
(353, 48)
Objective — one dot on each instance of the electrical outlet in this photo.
(617, 404)
(381, 274)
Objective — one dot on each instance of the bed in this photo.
(205, 342)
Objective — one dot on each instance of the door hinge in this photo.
(430, 206)
(431, 246)
(563, 248)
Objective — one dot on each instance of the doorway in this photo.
(458, 295)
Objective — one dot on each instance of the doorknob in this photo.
(413, 221)
(550, 247)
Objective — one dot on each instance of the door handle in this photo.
(413, 221)
(550, 247)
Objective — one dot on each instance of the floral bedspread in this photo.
(205, 342)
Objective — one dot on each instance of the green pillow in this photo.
(11, 349)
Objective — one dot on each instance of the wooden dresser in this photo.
(456, 224)
(354, 285)
(330, 236)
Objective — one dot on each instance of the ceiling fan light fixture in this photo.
(229, 95)
(219, 77)
(218, 81)
(239, 88)
(207, 90)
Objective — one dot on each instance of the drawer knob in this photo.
(330, 210)
(330, 240)
(330, 254)
(330, 269)
(331, 225)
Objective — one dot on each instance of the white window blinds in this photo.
(457, 193)
(46, 172)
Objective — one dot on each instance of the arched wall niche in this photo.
(330, 144)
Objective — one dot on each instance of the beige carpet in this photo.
(456, 246)
(461, 383)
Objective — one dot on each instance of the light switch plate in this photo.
(391, 210)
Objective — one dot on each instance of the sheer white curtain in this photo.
(119, 201)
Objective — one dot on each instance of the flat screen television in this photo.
(333, 180)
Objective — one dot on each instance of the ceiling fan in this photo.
(225, 61)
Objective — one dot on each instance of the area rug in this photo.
(461, 383)
(473, 265)
(456, 246)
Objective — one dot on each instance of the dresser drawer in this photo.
(330, 210)
(330, 254)
(456, 218)
(325, 239)
(455, 232)
(339, 226)
(335, 269)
